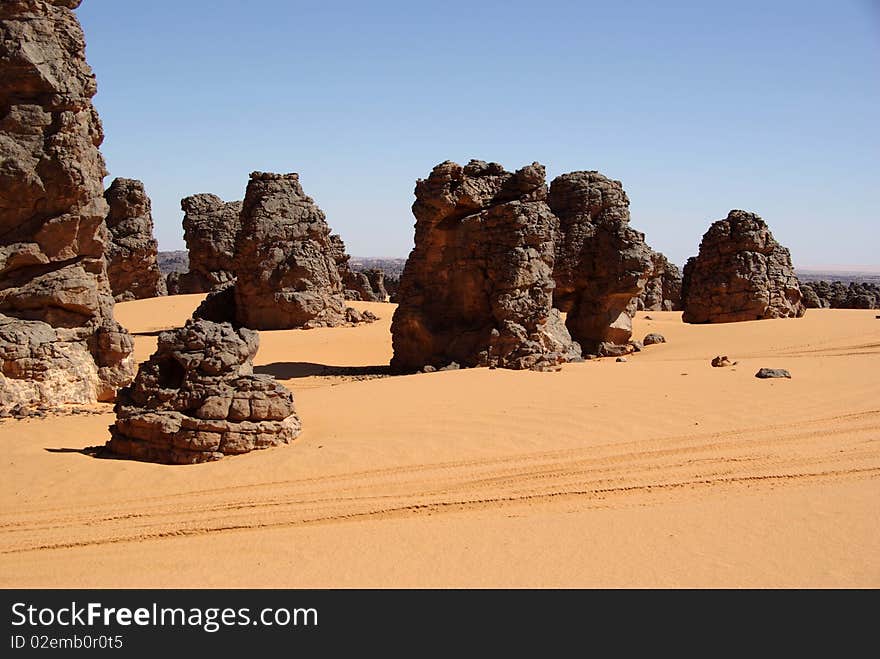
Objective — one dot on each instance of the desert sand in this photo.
(658, 472)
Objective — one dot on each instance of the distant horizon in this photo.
(836, 268)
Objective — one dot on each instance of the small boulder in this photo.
(773, 373)
(653, 338)
(720, 361)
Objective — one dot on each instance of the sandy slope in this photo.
(658, 472)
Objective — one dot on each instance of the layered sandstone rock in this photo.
(741, 273)
(477, 288)
(663, 288)
(59, 342)
(601, 263)
(286, 262)
(210, 229)
(197, 399)
(132, 266)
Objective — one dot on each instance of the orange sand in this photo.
(660, 472)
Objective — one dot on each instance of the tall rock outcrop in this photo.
(210, 229)
(132, 265)
(477, 288)
(601, 263)
(59, 342)
(197, 399)
(663, 288)
(286, 262)
(741, 273)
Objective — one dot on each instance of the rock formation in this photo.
(741, 273)
(839, 295)
(176, 261)
(196, 399)
(477, 288)
(59, 342)
(131, 255)
(286, 263)
(377, 284)
(601, 263)
(210, 229)
(355, 285)
(663, 288)
(392, 285)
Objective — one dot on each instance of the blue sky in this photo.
(697, 107)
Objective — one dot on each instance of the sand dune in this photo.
(658, 472)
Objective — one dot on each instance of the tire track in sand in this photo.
(840, 447)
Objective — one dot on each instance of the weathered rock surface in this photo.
(286, 261)
(721, 361)
(663, 288)
(132, 266)
(601, 263)
(652, 338)
(59, 342)
(765, 373)
(839, 295)
(477, 288)
(197, 399)
(210, 229)
(741, 273)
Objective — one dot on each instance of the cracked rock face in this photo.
(197, 399)
(601, 263)
(210, 229)
(286, 261)
(741, 273)
(132, 265)
(477, 288)
(60, 343)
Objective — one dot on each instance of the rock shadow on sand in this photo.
(98, 451)
(292, 370)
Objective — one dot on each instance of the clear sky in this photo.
(698, 107)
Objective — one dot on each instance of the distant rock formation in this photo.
(741, 273)
(197, 399)
(377, 284)
(663, 288)
(287, 264)
(356, 285)
(601, 263)
(477, 288)
(210, 229)
(131, 255)
(839, 295)
(176, 261)
(392, 286)
(392, 267)
(59, 342)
